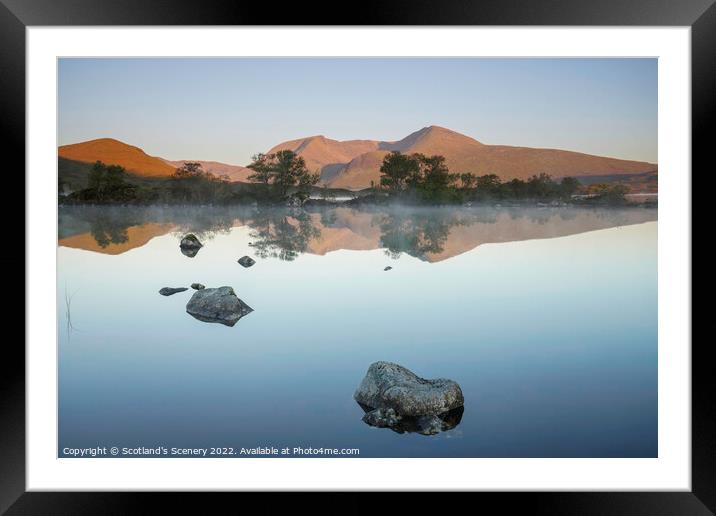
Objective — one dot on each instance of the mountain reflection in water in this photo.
(431, 234)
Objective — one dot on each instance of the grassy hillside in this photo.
(647, 182)
(114, 152)
(74, 174)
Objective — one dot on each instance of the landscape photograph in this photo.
(357, 257)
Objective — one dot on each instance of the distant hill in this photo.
(355, 163)
(114, 152)
(321, 153)
(360, 171)
(76, 159)
(233, 172)
(74, 175)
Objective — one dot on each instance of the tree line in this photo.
(428, 179)
(189, 184)
(283, 176)
(275, 177)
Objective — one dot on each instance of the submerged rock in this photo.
(190, 242)
(388, 268)
(197, 286)
(246, 261)
(217, 305)
(168, 291)
(391, 386)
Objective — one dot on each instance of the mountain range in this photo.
(355, 164)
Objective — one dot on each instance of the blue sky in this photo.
(227, 109)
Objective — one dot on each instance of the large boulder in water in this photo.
(391, 386)
(190, 242)
(217, 305)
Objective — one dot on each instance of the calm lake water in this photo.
(546, 317)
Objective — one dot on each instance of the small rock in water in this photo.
(388, 268)
(190, 245)
(168, 291)
(190, 242)
(395, 397)
(246, 261)
(217, 305)
(197, 286)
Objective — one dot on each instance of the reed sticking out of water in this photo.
(68, 311)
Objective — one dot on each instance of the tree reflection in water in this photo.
(105, 231)
(416, 233)
(282, 234)
(206, 223)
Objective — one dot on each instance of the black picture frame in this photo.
(16, 15)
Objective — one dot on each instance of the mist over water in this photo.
(546, 317)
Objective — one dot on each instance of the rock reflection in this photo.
(190, 252)
(424, 425)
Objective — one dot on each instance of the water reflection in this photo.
(416, 234)
(282, 234)
(430, 234)
(189, 252)
(424, 425)
(106, 232)
(502, 320)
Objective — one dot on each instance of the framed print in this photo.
(439, 251)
